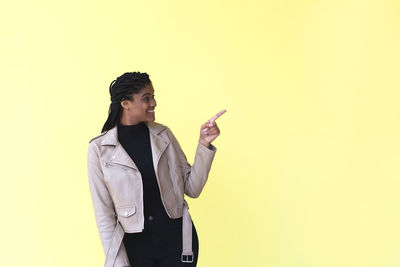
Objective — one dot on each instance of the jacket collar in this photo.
(111, 136)
(119, 154)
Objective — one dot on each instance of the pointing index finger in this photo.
(216, 116)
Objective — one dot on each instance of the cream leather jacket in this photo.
(116, 191)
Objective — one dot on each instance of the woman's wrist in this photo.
(204, 143)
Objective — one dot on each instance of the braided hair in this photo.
(120, 89)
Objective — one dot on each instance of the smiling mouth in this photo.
(151, 111)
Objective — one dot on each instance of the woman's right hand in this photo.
(209, 130)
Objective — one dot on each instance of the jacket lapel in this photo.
(119, 154)
(122, 157)
(158, 144)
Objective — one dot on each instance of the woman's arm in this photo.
(103, 205)
(195, 176)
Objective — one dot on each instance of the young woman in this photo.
(138, 176)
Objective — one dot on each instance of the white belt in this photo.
(187, 253)
(116, 241)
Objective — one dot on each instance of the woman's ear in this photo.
(125, 104)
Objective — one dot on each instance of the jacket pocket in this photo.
(130, 218)
(126, 211)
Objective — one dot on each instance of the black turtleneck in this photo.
(135, 139)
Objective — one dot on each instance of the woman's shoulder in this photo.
(98, 136)
(157, 127)
(156, 124)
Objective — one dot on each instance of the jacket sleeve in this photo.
(194, 176)
(103, 205)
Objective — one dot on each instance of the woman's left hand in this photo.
(209, 130)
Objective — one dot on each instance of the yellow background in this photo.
(307, 168)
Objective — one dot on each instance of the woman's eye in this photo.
(147, 99)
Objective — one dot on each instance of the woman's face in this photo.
(140, 108)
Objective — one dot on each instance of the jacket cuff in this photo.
(210, 148)
(204, 156)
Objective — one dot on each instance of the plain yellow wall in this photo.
(307, 168)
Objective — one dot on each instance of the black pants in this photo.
(159, 245)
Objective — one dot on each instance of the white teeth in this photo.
(151, 110)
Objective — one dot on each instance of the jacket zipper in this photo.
(107, 164)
